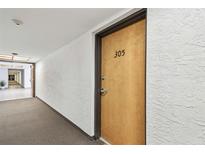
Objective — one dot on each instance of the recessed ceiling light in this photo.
(17, 22)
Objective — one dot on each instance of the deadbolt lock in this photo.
(102, 77)
(103, 92)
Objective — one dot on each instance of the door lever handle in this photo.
(103, 92)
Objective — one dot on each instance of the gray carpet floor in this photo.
(31, 122)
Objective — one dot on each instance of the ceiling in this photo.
(45, 30)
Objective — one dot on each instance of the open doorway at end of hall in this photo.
(16, 81)
(16, 78)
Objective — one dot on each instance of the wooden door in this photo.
(123, 83)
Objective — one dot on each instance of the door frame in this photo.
(34, 71)
(133, 18)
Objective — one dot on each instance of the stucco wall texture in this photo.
(176, 76)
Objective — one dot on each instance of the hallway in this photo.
(14, 84)
(127, 76)
(30, 121)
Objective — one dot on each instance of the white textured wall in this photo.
(4, 75)
(64, 81)
(176, 76)
(65, 78)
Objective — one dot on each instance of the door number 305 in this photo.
(119, 53)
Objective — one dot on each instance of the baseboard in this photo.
(103, 140)
(74, 125)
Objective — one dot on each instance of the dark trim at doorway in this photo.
(133, 18)
(34, 80)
